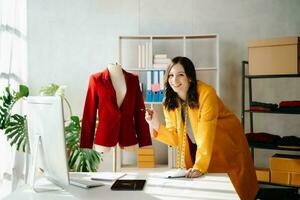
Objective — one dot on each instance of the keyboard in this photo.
(83, 183)
(83, 180)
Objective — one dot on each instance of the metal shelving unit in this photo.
(250, 79)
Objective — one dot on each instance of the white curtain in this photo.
(13, 69)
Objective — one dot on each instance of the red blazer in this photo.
(126, 125)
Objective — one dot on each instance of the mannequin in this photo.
(109, 99)
(118, 81)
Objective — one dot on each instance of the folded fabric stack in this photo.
(263, 138)
(255, 105)
(291, 142)
(289, 106)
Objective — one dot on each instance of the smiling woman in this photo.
(208, 137)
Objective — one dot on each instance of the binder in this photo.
(148, 87)
(161, 85)
(155, 87)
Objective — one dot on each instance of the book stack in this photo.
(145, 158)
(161, 61)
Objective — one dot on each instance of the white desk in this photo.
(210, 187)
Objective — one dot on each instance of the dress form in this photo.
(118, 81)
(119, 84)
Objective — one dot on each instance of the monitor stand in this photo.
(42, 183)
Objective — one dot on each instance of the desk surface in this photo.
(209, 186)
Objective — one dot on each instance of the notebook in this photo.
(125, 184)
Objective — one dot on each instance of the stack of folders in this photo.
(145, 158)
(155, 86)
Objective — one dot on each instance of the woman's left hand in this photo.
(193, 173)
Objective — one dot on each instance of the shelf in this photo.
(272, 112)
(147, 102)
(273, 76)
(159, 37)
(269, 146)
(154, 69)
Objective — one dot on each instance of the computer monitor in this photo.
(47, 139)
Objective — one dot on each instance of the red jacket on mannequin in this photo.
(125, 125)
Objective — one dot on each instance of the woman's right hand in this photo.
(152, 118)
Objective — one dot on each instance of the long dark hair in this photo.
(171, 99)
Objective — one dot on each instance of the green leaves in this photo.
(53, 90)
(56, 90)
(6, 102)
(23, 92)
(16, 132)
(81, 160)
(14, 125)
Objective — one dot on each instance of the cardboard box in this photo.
(145, 151)
(146, 164)
(283, 162)
(295, 179)
(263, 174)
(274, 56)
(145, 158)
(280, 177)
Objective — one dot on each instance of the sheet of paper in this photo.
(176, 173)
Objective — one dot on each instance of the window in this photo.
(13, 59)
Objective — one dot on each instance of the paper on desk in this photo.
(176, 173)
(107, 176)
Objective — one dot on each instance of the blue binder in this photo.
(149, 95)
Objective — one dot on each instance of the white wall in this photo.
(68, 40)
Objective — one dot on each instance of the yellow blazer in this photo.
(220, 139)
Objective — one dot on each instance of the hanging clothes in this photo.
(125, 125)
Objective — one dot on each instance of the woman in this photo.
(208, 136)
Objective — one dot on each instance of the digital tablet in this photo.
(126, 184)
